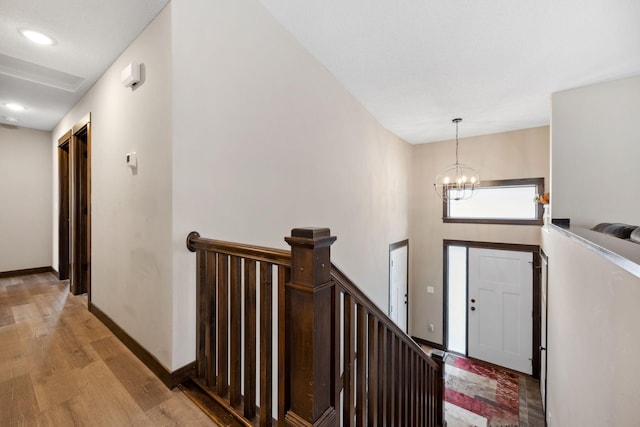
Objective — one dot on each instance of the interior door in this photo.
(63, 207)
(398, 296)
(80, 207)
(543, 328)
(501, 307)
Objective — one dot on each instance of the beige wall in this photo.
(131, 213)
(241, 140)
(510, 155)
(596, 147)
(25, 195)
(593, 339)
(593, 343)
(266, 139)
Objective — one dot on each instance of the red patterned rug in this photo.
(489, 394)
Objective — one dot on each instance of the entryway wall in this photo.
(509, 155)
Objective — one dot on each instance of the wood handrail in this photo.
(259, 253)
(361, 298)
(332, 340)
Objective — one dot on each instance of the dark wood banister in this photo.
(349, 287)
(258, 253)
(283, 257)
(310, 253)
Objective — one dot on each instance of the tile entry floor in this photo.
(530, 404)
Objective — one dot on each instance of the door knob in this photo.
(473, 300)
(473, 309)
(543, 348)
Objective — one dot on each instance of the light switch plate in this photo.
(131, 160)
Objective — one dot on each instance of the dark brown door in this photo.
(63, 205)
(81, 208)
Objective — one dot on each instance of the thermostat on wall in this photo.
(131, 160)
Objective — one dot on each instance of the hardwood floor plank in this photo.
(61, 386)
(6, 315)
(60, 366)
(136, 378)
(178, 411)
(17, 399)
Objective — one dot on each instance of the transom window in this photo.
(509, 201)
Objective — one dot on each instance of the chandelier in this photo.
(457, 181)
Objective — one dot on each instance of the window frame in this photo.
(539, 184)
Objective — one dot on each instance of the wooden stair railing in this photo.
(340, 359)
(404, 386)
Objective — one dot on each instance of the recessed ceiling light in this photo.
(37, 37)
(11, 119)
(15, 107)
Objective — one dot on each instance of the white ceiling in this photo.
(417, 64)
(89, 35)
(414, 64)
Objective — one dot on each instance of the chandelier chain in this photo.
(456, 141)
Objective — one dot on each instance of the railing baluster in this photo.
(210, 351)
(235, 332)
(395, 419)
(222, 383)
(249, 338)
(389, 374)
(284, 276)
(266, 347)
(201, 304)
(438, 356)
(349, 356)
(361, 368)
(382, 375)
(336, 328)
(372, 397)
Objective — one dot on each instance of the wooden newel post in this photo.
(308, 331)
(438, 356)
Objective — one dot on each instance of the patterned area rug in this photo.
(480, 395)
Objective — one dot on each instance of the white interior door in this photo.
(501, 307)
(398, 286)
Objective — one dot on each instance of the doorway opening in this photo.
(398, 284)
(492, 303)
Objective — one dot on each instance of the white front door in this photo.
(501, 307)
(398, 286)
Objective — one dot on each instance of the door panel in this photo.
(398, 259)
(63, 207)
(80, 208)
(501, 307)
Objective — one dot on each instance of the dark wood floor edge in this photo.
(170, 379)
(27, 271)
(429, 343)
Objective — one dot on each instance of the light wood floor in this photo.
(60, 366)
